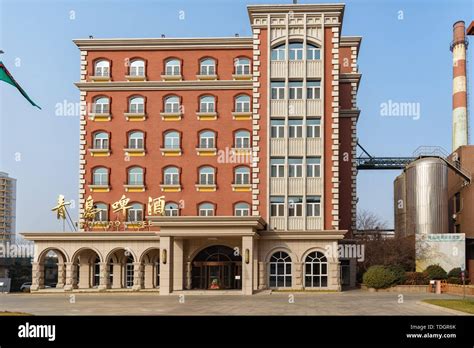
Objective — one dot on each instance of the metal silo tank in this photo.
(427, 196)
(400, 205)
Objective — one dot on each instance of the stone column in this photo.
(166, 269)
(70, 276)
(247, 268)
(298, 277)
(189, 270)
(117, 278)
(262, 275)
(84, 274)
(61, 275)
(37, 276)
(104, 276)
(137, 276)
(149, 275)
(178, 266)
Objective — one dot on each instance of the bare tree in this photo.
(367, 220)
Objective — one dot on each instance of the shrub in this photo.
(378, 277)
(416, 278)
(435, 272)
(455, 273)
(399, 272)
(454, 280)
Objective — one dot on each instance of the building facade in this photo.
(7, 208)
(216, 163)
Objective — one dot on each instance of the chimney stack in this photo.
(460, 121)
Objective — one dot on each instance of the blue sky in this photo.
(404, 57)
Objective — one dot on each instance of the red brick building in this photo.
(250, 142)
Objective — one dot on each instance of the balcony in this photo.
(314, 223)
(314, 69)
(99, 152)
(315, 107)
(206, 116)
(296, 147)
(314, 146)
(241, 187)
(134, 152)
(100, 117)
(295, 223)
(278, 107)
(171, 151)
(277, 186)
(295, 186)
(99, 188)
(277, 223)
(278, 69)
(242, 116)
(296, 69)
(134, 188)
(206, 187)
(277, 146)
(295, 108)
(135, 116)
(314, 186)
(170, 187)
(200, 151)
(171, 116)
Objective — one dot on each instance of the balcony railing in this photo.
(314, 186)
(314, 146)
(295, 186)
(277, 186)
(277, 146)
(296, 146)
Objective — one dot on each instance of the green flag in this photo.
(8, 78)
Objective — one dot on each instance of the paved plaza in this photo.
(355, 302)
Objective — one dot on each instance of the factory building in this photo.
(216, 163)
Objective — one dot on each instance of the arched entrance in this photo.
(217, 267)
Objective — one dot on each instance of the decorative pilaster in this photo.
(104, 276)
(255, 122)
(335, 128)
(37, 276)
(137, 276)
(61, 275)
(71, 277)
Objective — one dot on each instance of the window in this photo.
(207, 140)
(129, 272)
(207, 104)
(102, 68)
(242, 176)
(100, 176)
(242, 103)
(96, 276)
(295, 206)
(315, 270)
(313, 206)
(296, 90)
(171, 209)
(242, 66)
(312, 52)
(172, 140)
(137, 68)
(135, 176)
(313, 128)
(136, 140)
(277, 90)
(171, 176)
(101, 141)
(280, 270)
(278, 53)
(173, 67)
(277, 206)
(137, 105)
(313, 167)
(206, 209)
(172, 104)
(242, 209)
(101, 105)
(277, 128)
(296, 51)
(208, 67)
(295, 128)
(242, 139)
(457, 202)
(101, 213)
(135, 212)
(277, 167)
(295, 167)
(207, 176)
(313, 90)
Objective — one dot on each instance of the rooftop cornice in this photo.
(90, 235)
(295, 8)
(164, 85)
(313, 235)
(212, 221)
(164, 43)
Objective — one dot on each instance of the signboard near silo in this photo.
(445, 249)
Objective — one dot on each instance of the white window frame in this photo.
(313, 207)
(242, 139)
(277, 206)
(242, 176)
(102, 105)
(277, 167)
(278, 258)
(206, 209)
(242, 209)
(242, 66)
(207, 103)
(172, 104)
(207, 139)
(171, 209)
(278, 53)
(313, 90)
(296, 51)
(173, 67)
(171, 176)
(172, 140)
(277, 90)
(295, 90)
(137, 105)
(295, 167)
(313, 128)
(242, 103)
(295, 207)
(101, 214)
(137, 67)
(313, 168)
(277, 127)
(101, 178)
(295, 129)
(135, 176)
(207, 67)
(135, 213)
(136, 140)
(313, 52)
(102, 68)
(101, 141)
(316, 260)
(207, 176)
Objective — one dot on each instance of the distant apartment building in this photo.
(248, 143)
(7, 208)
